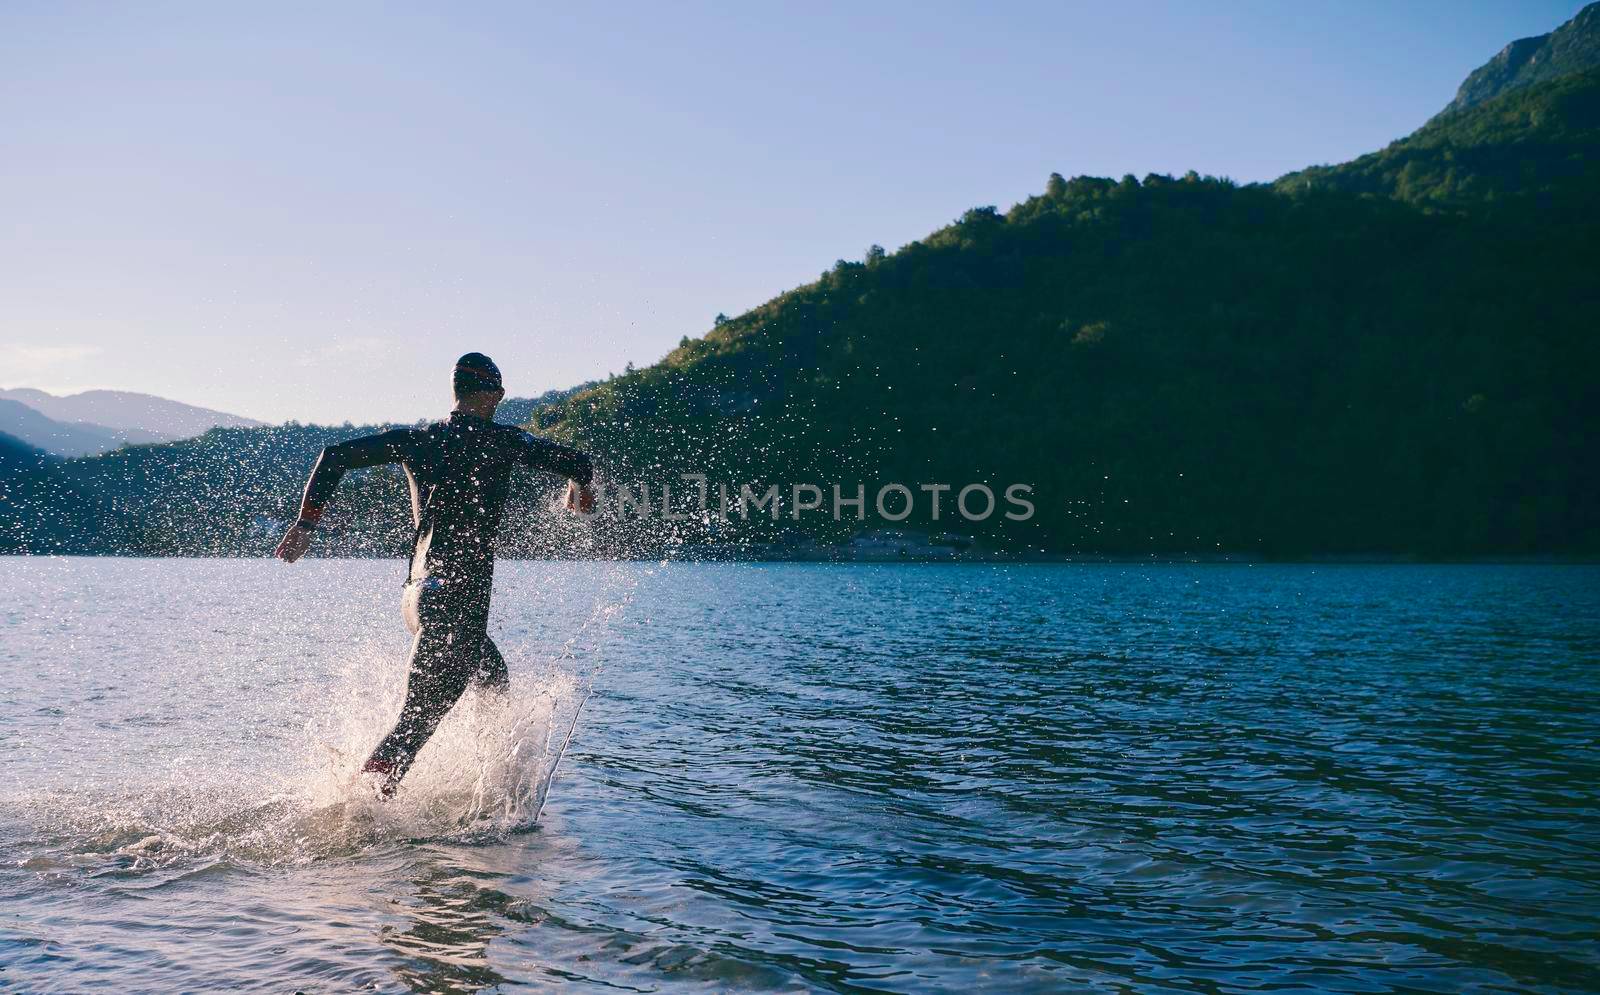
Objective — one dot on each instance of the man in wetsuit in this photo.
(459, 472)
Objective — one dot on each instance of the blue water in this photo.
(906, 778)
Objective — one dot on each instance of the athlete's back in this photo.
(460, 473)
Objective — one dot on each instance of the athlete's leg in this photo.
(492, 674)
(435, 683)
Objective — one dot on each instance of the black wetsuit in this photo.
(459, 471)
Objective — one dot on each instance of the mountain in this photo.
(62, 438)
(97, 421)
(520, 410)
(1395, 355)
(1532, 146)
(1173, 365)
(132, 417)
(16, 454)
(1573, 47)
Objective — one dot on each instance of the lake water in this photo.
(907, 778)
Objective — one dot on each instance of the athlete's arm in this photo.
(332, 464)
(574, 464)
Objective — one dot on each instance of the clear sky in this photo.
(309, 211)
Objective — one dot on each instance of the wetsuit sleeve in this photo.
(564, 461)
(369, 450)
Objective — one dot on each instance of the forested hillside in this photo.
(1529, 150)
(1391, 356)
(1186, 365)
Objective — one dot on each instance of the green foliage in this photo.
(1190, 366)
(1391, 356)
(1529, 147)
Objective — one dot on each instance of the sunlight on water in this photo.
(807, 778)
(485, 772)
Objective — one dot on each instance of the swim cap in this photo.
(476, 372)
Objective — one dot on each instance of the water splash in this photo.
(485, 773)
(484, 770)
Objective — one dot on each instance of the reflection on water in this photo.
(451, 914)
(798, 778)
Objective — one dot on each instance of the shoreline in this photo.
(1062, 559)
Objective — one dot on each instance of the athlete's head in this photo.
(477, 374)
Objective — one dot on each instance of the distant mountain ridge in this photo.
(40, 431)
(520, 410)
(96, 421)
(15, 453)
(127, 410)
(1573, 47)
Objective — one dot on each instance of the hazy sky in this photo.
(309, 212)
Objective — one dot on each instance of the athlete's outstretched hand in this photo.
(579, 499)
(295, 542)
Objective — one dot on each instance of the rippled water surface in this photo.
(809, 777)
